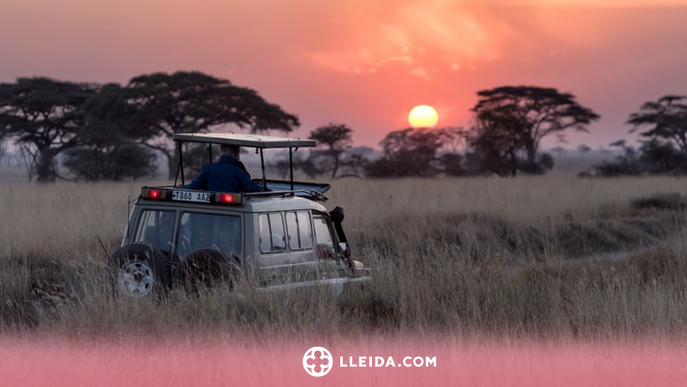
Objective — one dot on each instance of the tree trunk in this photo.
(513, 163)
(336, 167)
(171, 156)
(45, 166)
(531, 154)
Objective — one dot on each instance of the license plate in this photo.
(191, 196)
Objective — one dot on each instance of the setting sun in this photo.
(423, 116)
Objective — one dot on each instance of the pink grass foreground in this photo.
(447, 361)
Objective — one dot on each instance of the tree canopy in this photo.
(666, 120)
(109, 142)
(514, 119)
(193, 102)
(44, 116)
(663, 147)
(415, 152)
(333, 140)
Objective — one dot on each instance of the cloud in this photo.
(455, 35)
(597, 3)
(417, 34)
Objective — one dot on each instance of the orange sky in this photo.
(366, 63)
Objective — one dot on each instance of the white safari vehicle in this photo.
(278, 239)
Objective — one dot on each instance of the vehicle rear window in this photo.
(299, 230)
(155, 228)
(198, 231)
(272, 237)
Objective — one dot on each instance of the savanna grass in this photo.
(526, 256)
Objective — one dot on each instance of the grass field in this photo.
(540, 256)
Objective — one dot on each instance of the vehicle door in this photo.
(326, 244)
(286, 247)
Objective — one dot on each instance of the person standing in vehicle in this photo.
(226, 175)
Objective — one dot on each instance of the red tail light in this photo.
(228, 198)
(154, 194)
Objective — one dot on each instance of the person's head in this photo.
(230, 151)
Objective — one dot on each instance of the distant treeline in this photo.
(86, 131)
(112, 131)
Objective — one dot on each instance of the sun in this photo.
(423, 116)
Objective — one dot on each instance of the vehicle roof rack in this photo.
(249, 140)
(301, 193)
(260, 142)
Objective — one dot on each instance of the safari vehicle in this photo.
(278, 239)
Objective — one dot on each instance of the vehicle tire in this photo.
(209, 268)
(139, 270)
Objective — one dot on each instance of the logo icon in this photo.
(317, 361)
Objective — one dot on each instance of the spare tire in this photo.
(209, 268)
(138, 270)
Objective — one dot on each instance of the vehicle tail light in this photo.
(228, 198)
(154, 193)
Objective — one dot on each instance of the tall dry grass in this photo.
(63, 219)
(532, 256)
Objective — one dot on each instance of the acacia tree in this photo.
(126, 161)
(664, 145)
(521, 116)
(43, 116)
(414, 152)
(109, 115)
(115, 128)
(333, 140)
(193, 102)
(496, 140)
(666, 119)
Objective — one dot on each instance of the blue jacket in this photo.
(224, 176)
